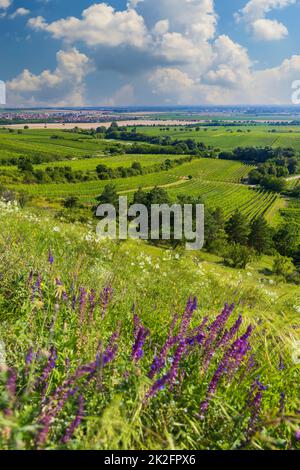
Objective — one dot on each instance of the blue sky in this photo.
(81, 52)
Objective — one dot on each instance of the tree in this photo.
(287, 239)
(215, 235)
(104, 173)
(137, 166)
(71, 202)
(24, 164)
(260, 237)
(238, 256)
(272, 183)
(237, 229)
(109, 196)
(283, 266)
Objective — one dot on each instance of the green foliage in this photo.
(260, 237)
(283, 266)
(237, 229)
(238, 256)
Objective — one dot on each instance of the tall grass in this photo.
(102, 350)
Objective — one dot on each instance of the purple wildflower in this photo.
(255, 407)
(50, 258)
(36, 288)
(229, 335)
(282, 403)
(170, 377)
(92, 304)
(51, 364)
(297, 435)
(215, 329)
(137, 349)
(190, 308)
(82, 304)
(29, 357)
(230, 362)
(281, 365)
(160, 360)
(76, 423)
(105, 298)
(11, 384)
(112, 348)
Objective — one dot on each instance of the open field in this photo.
(228, 138)
(217, 182)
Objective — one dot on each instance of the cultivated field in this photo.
(217, 182)
(227, 138)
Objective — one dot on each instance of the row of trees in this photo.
(105, 173)
(57, 174)
(237, 240)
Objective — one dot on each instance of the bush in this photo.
(283, 266)
(238, 256)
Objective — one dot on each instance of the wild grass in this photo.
(82, 321)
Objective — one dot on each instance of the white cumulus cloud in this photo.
(254, 15)
(63, 86)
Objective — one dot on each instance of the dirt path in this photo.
(169, 185)
(291, 178)
(94, 125)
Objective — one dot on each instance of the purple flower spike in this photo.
(282, 403)
(51, 364)
(29, 357)
(190, 308)
(105, 298)
(137, 349)
(170, 377)
(82, 304)
(297, 435)
(92, 304)
(215, 329)
(281, 365)
(76, 423)
(11, 384)
(230, 362)
(50, 258)
(255, 407)
(160, 361)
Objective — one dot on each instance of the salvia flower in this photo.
(50, 365)
(281, 365)
(255, 408)
(190, 308)
(92, 304)
(82, 304)
(105, 298)
(160, 360)
(282, 403)
(170, 377)
(137, 349)
(230, 362)
(50, 257)
(215, 329)
(76, 423)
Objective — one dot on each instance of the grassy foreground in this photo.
(101, 349)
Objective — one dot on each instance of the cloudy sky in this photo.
(149, 52)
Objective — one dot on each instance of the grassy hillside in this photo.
(82, 322)
(228, 138)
